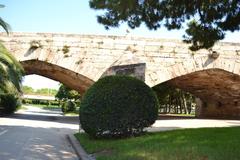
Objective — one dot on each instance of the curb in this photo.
(81, 153)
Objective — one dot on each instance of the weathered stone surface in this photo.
(66, 76)
(134, 70)
(218, 109)
(218, 90)
(89, 57)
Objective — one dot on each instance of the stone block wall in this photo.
(134, 70)
(92, 55)
(217, 109)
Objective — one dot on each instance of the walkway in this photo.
(37, 134)
(172, 124)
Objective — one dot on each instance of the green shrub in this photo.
(68, 106)
(27, 101)
(55, 103)
(118, 106)
(35, 101)
(8, 103)
(24, 101)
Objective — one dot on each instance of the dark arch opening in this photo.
(218, 90)
(210, 84)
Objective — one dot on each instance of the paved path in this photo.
(37, 134)
(172, 124)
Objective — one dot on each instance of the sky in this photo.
(70, 16)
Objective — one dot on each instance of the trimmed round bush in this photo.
(68, 106)
(118, 106)
(8, 103)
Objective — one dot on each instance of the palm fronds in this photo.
(11, 71)
(4, 24)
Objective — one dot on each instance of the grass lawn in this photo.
(187, 144)
(43, 106)
(22, 107)
(76, 113)
(52, 107)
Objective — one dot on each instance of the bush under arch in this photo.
(118, 106)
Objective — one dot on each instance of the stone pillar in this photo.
(134, 70)
(217, 109)
(198, 108)
(127, 64)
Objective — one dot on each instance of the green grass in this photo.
(44, 106)
(188, 144)
(76, 113)
(22, 107)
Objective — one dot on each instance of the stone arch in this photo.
(68, 77)
(191, 64)
(218, 90)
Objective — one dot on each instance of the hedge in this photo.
(118, 106)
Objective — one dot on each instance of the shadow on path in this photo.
(27, 143)
(59, 119)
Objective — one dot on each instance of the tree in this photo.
(27, 90)
(10, 81)
(4, 24)
(42, 91)
(46, 91)
(207, 20)
(11, 72)
(65, 93)
(65, 96)
(173, 100)
(10, 69)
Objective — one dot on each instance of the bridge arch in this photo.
(218, 91)
(68, 77)
(79, 60)
(179, 66)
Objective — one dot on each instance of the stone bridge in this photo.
(79, 60)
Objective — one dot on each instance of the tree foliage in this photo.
(10, 81)
(65, 93)
(174, 100)
(27, 90)
(4, 24)
(46, 91)
(9, 103)
(42, 91)
(70, 99)
(68, 106)
(207, 20)
(11, 72)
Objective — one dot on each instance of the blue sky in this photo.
(69, 16)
